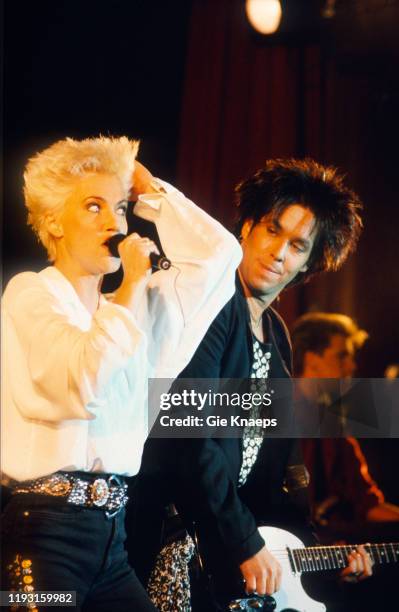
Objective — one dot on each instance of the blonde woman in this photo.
(76, 365)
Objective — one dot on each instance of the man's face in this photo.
(275, 250)
(337, 360)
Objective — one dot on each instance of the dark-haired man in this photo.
(295, 218)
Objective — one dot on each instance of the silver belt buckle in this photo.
(113, 481)
(99, 492)
(57, 485)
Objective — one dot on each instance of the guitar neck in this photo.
(318, 558)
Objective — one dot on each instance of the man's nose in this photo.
(279, 249)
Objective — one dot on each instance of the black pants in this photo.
(68, 548)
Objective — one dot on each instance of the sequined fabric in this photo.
(169, 583)
(251, 441)
(21, 577)
(110, 495)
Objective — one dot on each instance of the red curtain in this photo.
(244, 101)
(240, 104)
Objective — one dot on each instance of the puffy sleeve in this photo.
(183, 301)
(56, 366)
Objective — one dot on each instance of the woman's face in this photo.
(95, 211)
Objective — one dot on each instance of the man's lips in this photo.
(269, 269)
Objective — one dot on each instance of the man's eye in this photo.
(299, 248)
(93, 207)
(272, 230)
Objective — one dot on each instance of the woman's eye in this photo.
(122, 210)
(299, 248)
(272, 230)
(93, 207)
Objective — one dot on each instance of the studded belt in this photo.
(107, 494)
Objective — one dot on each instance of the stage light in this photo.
(264, 15)
(329, 9)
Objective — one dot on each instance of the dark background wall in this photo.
(211, 100)
(83, 67)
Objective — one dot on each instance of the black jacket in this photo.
(200, 475)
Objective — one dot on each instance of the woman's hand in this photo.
(135, 252)
(141, 181)
(135, 256)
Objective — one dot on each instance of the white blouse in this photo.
(74, 386)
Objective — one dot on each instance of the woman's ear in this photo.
(53, 226)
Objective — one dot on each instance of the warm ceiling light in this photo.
(264, 15)
(329, 9)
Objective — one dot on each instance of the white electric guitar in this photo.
(295, 559)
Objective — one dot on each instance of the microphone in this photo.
(158, 262)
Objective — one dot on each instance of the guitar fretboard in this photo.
(317, 558)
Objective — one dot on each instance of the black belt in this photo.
(91, 491)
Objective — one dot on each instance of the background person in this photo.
(325, 346)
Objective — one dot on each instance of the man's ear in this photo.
(246, 229)
(53, 226)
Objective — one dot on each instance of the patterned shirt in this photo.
(251, 441)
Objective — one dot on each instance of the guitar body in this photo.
(291, 596)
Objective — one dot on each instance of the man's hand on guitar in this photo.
(359, 566)
(262, 573)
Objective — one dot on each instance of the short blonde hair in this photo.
(50, 175)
